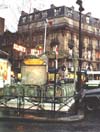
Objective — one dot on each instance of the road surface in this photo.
(91, 123)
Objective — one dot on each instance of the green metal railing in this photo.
(36, 95)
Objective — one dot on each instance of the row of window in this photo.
(57, 12)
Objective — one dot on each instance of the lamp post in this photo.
(79, 2)
(45, 33)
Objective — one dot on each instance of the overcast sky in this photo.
(11, 9)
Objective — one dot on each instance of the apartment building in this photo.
(58, 26)
(2, 22)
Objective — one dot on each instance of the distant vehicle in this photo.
(90, 94)
(93, 76)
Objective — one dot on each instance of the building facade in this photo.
(2, 22)
(57, 26)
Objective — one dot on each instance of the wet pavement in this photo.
(91, 123)
(39, 115)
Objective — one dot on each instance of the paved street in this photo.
(90, 124)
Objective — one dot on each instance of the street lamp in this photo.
(45, 34)
(79, 2)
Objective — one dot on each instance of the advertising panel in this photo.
(34, 74)
(5, 70)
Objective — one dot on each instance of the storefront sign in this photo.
(19, 48)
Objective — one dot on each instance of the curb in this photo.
(73, 118)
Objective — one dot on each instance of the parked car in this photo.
(90, 95)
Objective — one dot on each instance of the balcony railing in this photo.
(57, 12)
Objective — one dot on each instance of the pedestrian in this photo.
(12, 79)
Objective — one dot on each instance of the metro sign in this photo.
(19, 48)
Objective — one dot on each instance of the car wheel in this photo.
(90, 108)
